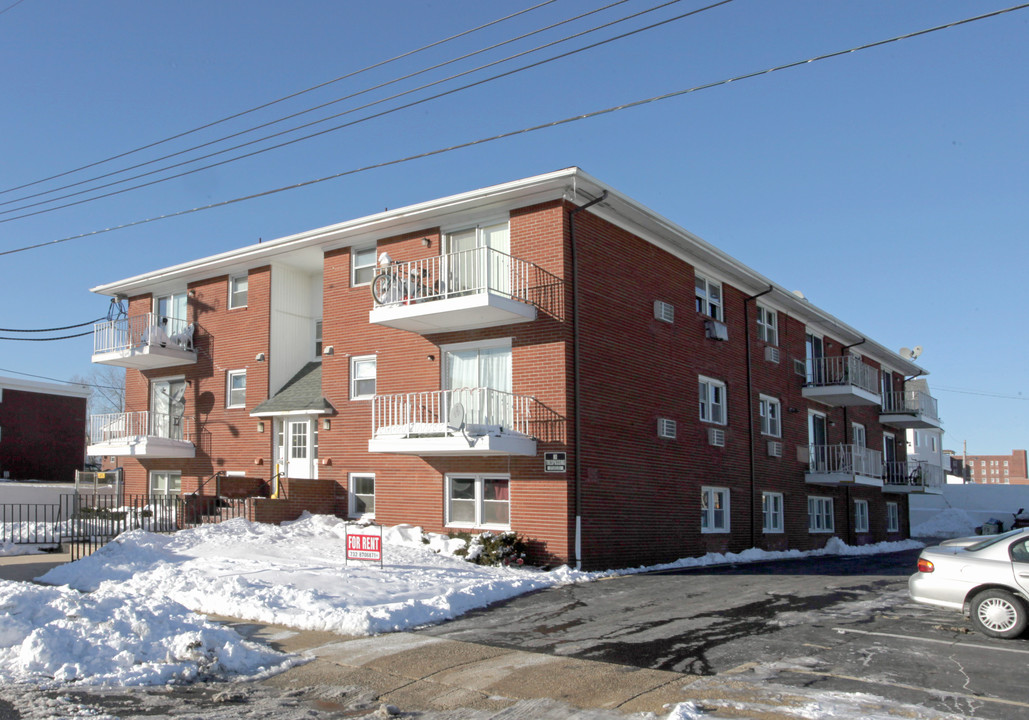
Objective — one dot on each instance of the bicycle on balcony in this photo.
(391, 286)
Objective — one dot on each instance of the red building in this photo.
(42, 430)
(997, 469)
(546, 356)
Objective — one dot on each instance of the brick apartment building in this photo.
(42, 430)
(546, 356)
(996, 469)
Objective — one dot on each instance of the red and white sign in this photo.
(364, 547)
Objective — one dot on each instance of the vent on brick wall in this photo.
(800, 367)
(666, 428)
(774, 448)
(716, 330)
(665, 312)
(771, 354)
(716, 437)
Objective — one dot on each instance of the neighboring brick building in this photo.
(997, 469)
(42, 430)
(553, 358)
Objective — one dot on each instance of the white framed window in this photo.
(770, 411)
(861, 516)
(820, 515)
(709, 297)
(236, 389)
(165, 482)
(362, 377)
(318, 339)
(362, 494)
(478, 501)
(768, 325)
(772, 512)
(858, 435)
(712, 400)
(238, 287)
(362, 265)
(892, 517)
(714, 510)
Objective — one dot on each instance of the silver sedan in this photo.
(987, 580)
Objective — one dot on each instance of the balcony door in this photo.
(167, 408)
(471, 373)
(816, 438)
(171, 312)
(815, 351)
(469, 270)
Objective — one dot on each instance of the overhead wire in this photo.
(352, 110)
(295, 115)
(53, 329)
(526, 130)
(12, 6)
(67, 382)
(242, 113)
(48, 339)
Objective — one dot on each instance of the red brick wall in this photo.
(42, 436)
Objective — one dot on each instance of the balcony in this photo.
(844, 465)
(468, 421)
(144, 342)
(465, 290)
(909, 409)
(841, 381)
(141, 434)
(907, 476)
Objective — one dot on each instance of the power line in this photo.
(279, 100)
(522, 131)
(11, 6)
(999, 396)
(290, 117)
(34, 339)
(54, 329)
(352, 110)
(67, 382)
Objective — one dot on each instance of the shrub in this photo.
(490, 548)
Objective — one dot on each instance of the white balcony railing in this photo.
(835, 371)
(447, 413)
(913, 402)
(845, 460)
(481, 270)
(912, 475)
(130, 333)
(120, 427)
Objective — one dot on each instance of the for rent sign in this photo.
(364, 547)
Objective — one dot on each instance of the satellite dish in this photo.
(916, 351)
(455, 423)
(905, 352)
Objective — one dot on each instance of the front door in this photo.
(298, 448)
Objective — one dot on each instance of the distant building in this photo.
(997, 469)
(42, 430)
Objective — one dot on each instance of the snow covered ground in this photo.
(126, 615)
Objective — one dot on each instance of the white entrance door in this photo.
(298, 448)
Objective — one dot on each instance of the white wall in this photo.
(979, 502)
(295, 305)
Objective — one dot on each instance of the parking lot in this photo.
(830, 624)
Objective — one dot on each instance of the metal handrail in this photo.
(142, 330)
(112, 427)
(217, 477)
(913, 473)
(910, 401)
(842, 370)
(848, 459)
(431, 413)
(467, 272)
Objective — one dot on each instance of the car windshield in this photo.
(983, 544)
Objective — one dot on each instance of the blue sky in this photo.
(889, 185)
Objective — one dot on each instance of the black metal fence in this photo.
(30, 523)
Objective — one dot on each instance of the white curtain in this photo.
(481, 368)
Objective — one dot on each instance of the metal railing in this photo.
(914, 474)
(913, 402)
(30, 524)
(141, 330)
(443, 413)
(845, 459)
(113, 427)
(849, 370)
(468, 272)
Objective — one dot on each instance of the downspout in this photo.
(577, 400)
(750, 417)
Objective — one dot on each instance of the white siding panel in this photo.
(292, 322)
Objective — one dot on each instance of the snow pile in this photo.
(950, 522)
(57, 635)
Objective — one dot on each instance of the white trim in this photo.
(353, 268)
(826, 503)
(233, 279)
(708, 402)
(352, 496)
(71, 390)
(861, 522)
(476, 345)
(229, 374)
(779, 527)
(893, 519)
(708, 492)
(478, 479)
(489, 221)
(763, 420)
(353, 378)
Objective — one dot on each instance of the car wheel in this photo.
(998, 613)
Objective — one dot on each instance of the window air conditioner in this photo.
(800, 367)
(666, 428)
(665, 312)
(774, 448)
(771, 354)
(716, 437)
(716, 330)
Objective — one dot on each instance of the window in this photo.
(709, 297)
(362, 378)
(771, 413)
(362, 266)
(820, 515)
(236, 390)
(172, 312)
(767, 325)
(861, 516)
(714, 510)
(478, 501)
(362, 494)
(238, 291)
(772, 512)
(165, 482)
(318, 338)
(892, 517)
(712, 400)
